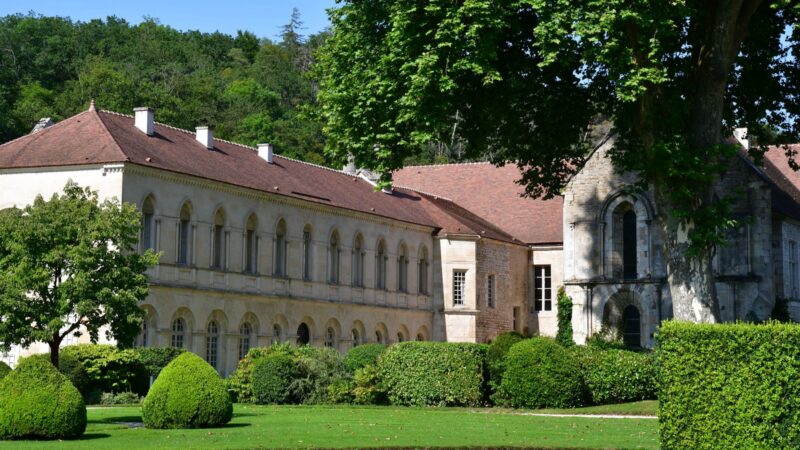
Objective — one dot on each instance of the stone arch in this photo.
(280, 329)
(402, 333)
(305, 331)
(625, 221)
(181, 325)
(422, 334)
(248, 334)
(381, 333)
(332, 333)
(357, 333)
(619, 313)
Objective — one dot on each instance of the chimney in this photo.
(205, 136)
(43, 123)
(265, 152)
(741, 135)
(143, 119)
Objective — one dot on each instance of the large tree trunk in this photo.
(54, 344)
(691, 275)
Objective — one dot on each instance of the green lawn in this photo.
(341, 426)
(644, 408)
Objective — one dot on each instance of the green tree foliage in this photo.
(110, 369)
(729, 386)
(188, 394)
(251, 90)
(38, 402)
(62, 276)
(520, 80)
(540, 374)
(564, 305)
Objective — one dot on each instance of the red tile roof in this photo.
(101, 137)
(491, 192)
(786, 198)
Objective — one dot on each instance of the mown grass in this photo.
(347, 426)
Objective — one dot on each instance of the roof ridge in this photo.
(230, 142)
(44, 129)
(473, 163)
(424, 193)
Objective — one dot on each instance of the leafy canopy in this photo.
(67, 266)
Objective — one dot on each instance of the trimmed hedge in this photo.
(187, 394)
(109, 368)
(541, 374)
(240, 383)
(496, 355)
(156, 358)
(729, 385)
(362, 356)
(272, 378)
(617, 376)
(74, 370)
(39, 402)
(433, 373)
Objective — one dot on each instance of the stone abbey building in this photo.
(257, 248)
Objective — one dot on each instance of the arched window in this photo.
(378, 337)
(251, 245)
(333, 253)
(380, 265)
(420, 337)
(178, 332)
(212, 343)
(307, 253)
(148, 224)
(400, 337)
(423, 271)
(184, 235)
(303, 334)
(277, 334)
(245, 339)
(356, 337)
(402, 269)
(358, 261)
(629, 244)
(330, 338)
(281, 248)
(219, 241)
(631, 327)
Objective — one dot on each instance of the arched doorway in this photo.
(303, 334)
(631, 326)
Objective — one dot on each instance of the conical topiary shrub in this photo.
(39, 402)
(188, 393)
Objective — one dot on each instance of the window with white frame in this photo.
(459, 286)
(184, 235)
(793, 274)
(212, 343)
(490, 294)
(245, 339)
(330, 338)
(543, 292)
(148, 225)
(178, 331)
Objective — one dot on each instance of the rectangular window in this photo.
(490, 291)
(543, 293)
(793, 274)
(459, 283)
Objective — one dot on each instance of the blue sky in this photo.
(262, 17)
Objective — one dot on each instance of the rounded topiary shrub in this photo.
(362, 356)
(39, 402)
(187, 394)
(496, 354)
(539, 373)
(272, 378)
(4, 370)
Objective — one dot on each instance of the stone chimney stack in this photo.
(143, 119)
(266, 152)
(205, 136)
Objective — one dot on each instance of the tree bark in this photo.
(691, 276)
(55, 345)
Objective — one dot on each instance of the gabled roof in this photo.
(491, 192)
(103, 137)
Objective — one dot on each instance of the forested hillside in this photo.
(250, 89)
